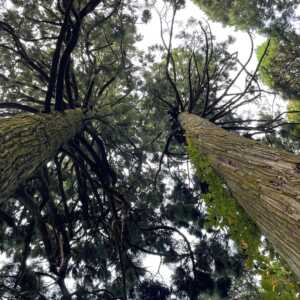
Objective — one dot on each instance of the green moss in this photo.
(277, 283)
(223, 211)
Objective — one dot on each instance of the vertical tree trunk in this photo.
(265, 182)
(27, 141)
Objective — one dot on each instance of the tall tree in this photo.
(263, 180)
(40, 52)
(38, 67)
(202, 94)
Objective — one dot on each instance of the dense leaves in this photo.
(266, 16)
(280, 68)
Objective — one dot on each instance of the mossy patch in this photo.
(223, 211)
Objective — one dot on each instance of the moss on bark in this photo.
(223, 210)
(263, 180)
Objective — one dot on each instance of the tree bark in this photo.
(27, 141)
(264, 181)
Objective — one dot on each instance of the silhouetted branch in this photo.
(23, 107)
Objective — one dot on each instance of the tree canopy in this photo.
(122, 190)
(280, 68)
(265, 16)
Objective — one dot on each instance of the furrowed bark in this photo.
(264, 181)
(27, 141)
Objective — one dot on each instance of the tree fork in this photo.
(27, 141)
(264, 181)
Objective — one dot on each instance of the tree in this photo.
(61, 81)
(65, 137)
(280, 67)
(215, 101)
(266, 16)
(106, 199)
(260, 178)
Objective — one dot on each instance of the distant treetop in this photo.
(250, 14)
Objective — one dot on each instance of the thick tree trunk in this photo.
(27, 141)
(265, 182)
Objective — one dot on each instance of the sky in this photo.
(151, 31)
(242, 45)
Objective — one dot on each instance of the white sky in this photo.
(242, 45)
(151, 31)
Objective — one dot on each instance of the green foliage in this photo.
(280, 67)
(253, 14)
(277, 283)
(270, 55)
(294, 117)
(234, 13)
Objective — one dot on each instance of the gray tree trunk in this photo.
(27, 141)
(264, 181)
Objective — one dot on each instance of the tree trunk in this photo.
(27, 141)
(264, 181)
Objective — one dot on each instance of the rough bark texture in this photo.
(27, 141)
(265, 182)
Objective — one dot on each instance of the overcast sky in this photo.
(151, 31)
(242, 45)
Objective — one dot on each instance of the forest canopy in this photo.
(102, 193)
